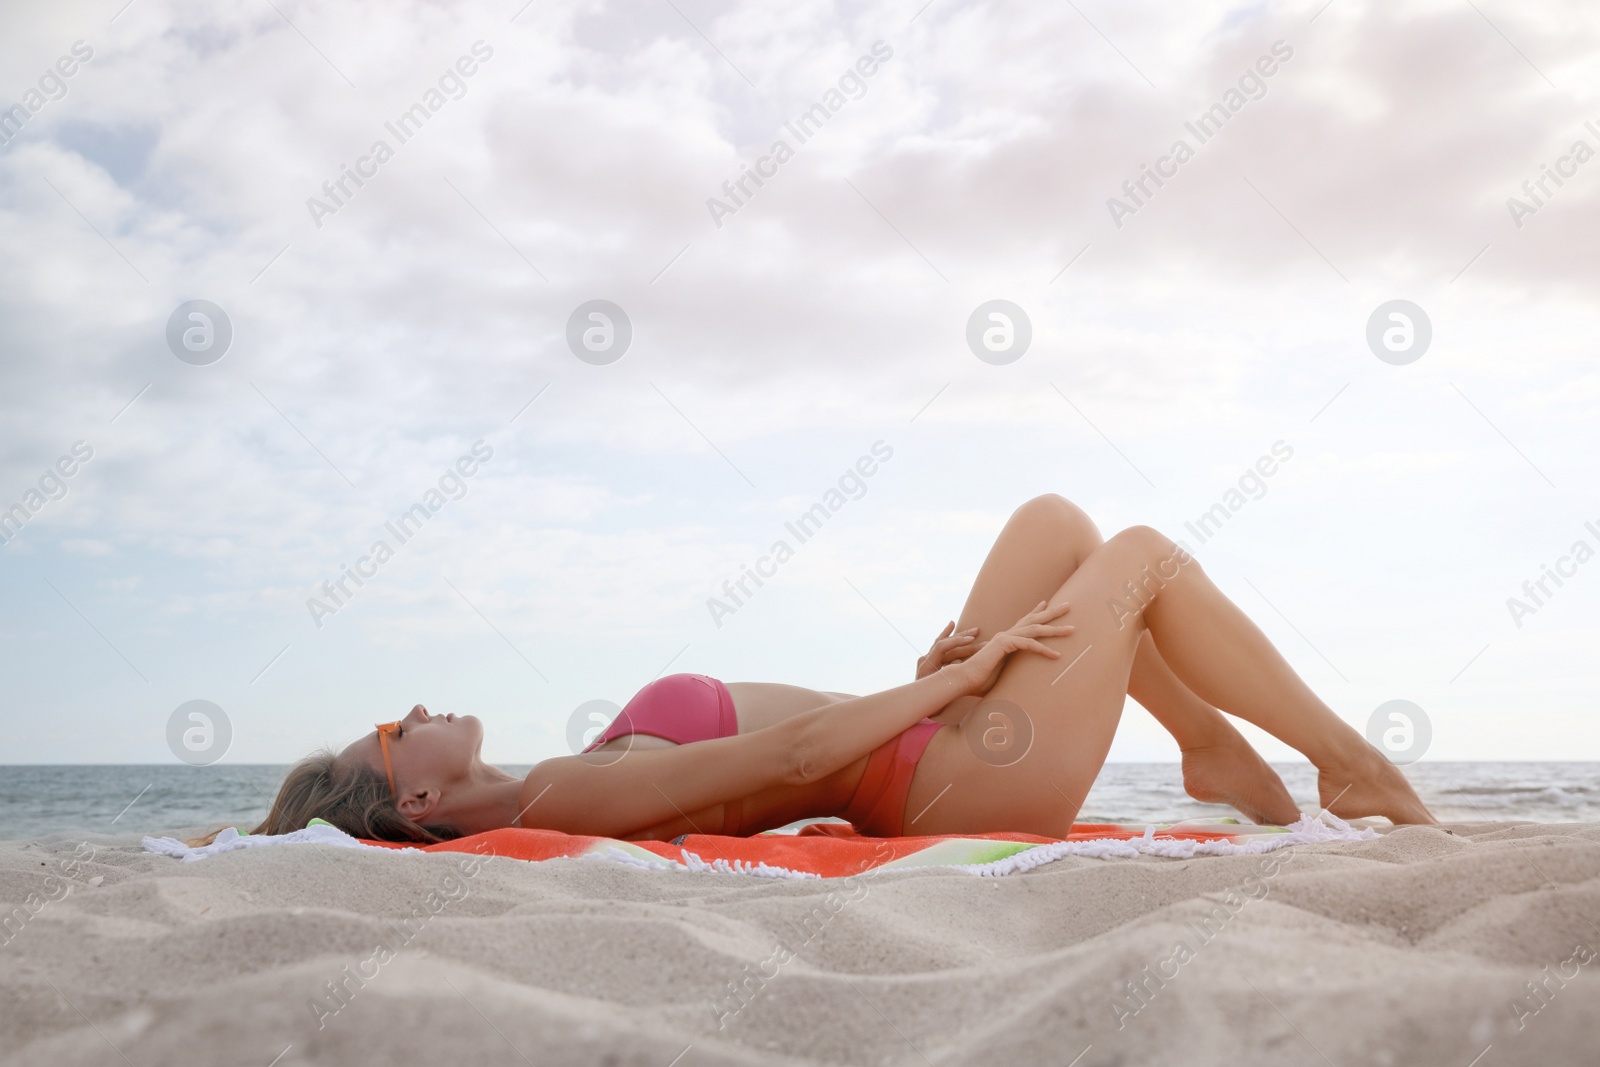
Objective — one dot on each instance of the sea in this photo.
(41, 800)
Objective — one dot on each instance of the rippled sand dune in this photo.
(1428, 946)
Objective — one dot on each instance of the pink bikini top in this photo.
(681, 708)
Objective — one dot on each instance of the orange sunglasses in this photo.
(384, 730)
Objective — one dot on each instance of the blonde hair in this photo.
(351, 795)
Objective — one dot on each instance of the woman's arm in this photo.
(607, 794)
(835, 735)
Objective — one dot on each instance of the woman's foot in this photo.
(1371, 785)
(1228, 771)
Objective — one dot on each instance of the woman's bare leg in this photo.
(1138, 581)
(1044, 542)
(1219, 765)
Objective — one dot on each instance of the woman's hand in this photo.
(977, 674)
(948, 649)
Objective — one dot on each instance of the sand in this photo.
(1428, 946)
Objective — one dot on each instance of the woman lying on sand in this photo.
(692, 755)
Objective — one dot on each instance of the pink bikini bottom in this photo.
(878, 808)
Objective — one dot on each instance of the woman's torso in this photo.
(758, 705)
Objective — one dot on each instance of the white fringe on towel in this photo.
(721, 866)
(231, 839)
(1309, 830)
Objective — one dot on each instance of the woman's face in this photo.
(429, 751)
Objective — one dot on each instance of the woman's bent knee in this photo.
(1060, 515)
(1146, 543)
(1149, 552)
(1137, 564)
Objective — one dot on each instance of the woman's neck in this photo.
(489, 801)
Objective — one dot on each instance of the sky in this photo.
(956, 154)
